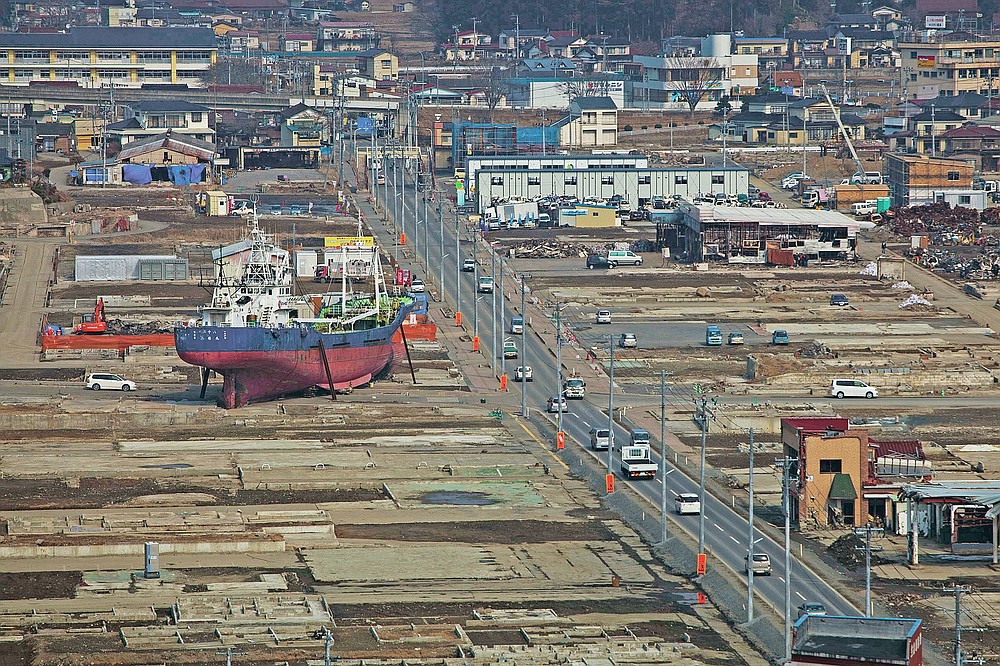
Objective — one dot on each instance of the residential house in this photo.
(554, 68)
(404, 7)
(888, 18)
(260, 10)
(304, 126)
(831, 465)
(565, 47)
(378, 64)
(771, 52)
(152, 117)
(470, 45)
(592, 122)
(526, 37)
(919, 179)
(809, 49)
(347, 36)
(969, 105)
(118, 13)
(841, 21)
(789, 83)
(536, 92)
(926, 129)
(243, 41)
(297, 42)
(978, 142)
(167, 148)
(223, 28)
(868, 48)
(324, 79)
(609, 53)
(55, 138)
(950, 64)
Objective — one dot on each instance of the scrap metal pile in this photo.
(976, 254)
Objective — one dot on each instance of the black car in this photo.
(597, 261)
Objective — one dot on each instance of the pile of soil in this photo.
(844, 550)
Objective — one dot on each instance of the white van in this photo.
(867, 178)
(616, 257)
(687, 503)
(852, 388)
(600, 439)
(864, 208)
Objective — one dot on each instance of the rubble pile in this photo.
(902, 285)
(845, 550)
(120, 327)
(554, 249)
(915, 301)
(982, 266)
(870, 270)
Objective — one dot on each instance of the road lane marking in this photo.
(781, 578)
(719, 528)
(574, 415)
(586, 424)
(673, 492)
(799, 595)
(543, 447)
(734, 539)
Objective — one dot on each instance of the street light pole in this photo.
(701, 484)
(663, 456)
(787, 506)
(498, 282)
(611, 401)
(475, 291)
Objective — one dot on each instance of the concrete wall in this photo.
(20, 205)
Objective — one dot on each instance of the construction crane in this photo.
(843, 133)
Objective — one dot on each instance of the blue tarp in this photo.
(180, 174)
(137, 174)
(198, 173)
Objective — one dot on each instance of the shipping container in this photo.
(163, 269)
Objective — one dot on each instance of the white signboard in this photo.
(939, 22)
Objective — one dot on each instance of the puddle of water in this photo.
(167, 466)
(458, 497)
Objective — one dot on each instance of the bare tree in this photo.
(495, 89)
(694, 78)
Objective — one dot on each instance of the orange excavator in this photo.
(93, 324)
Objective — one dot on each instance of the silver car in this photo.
(604, 316)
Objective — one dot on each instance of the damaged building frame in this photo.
(739, 235)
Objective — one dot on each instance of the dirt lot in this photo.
(519, 531)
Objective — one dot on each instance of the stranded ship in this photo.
(267, 343)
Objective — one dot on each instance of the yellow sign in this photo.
(352, 241)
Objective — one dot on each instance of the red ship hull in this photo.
(256, 376)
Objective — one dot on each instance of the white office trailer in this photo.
(536, 162)
(636, 185)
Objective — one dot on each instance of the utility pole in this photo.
(524, 356)
(611, 401)
(493, 276)
(229, 652)
(498, 282)
(327, 643)
(958, 591)
(786, 506)
(750, 541)
(458, 270)
(475, 290)
(441, 267)
(705, 414)
(664, 473)
(559, 390)
(867, 531)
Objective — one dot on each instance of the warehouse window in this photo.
(570, 180)
(534, 180)
(718, 180)
(681, 180)
(964, 199)
(607, 180)
(830, 466)
(496, 180)
(645, 180)
(952, 175)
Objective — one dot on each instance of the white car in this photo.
(100, 381)
(417, 286)
(519, 377)
(628, 341)
(604, 316)
(852, 388)
(557, 404)
(687, 504)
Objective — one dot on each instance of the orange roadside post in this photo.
(560, 440)
(609, 483)
(402, 239)
(503, 382)
(702, 564)
(458, 319)
(475, 343)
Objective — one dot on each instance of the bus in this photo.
(713, 336)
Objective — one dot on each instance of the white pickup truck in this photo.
(636, 463)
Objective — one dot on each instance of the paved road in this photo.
(24, 302)
(726, 531)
